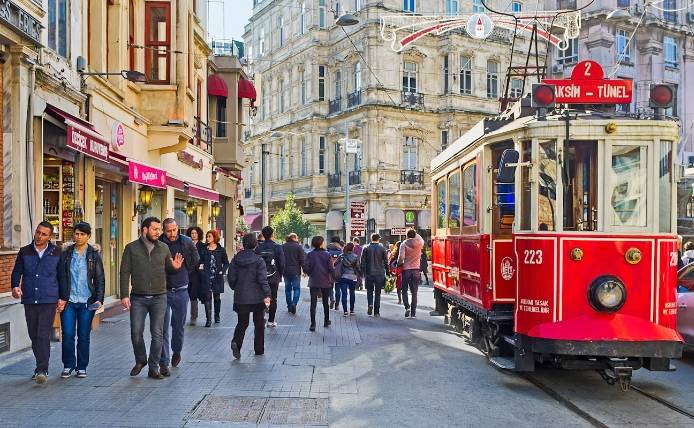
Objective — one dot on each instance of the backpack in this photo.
(268, 256)
(337, 272)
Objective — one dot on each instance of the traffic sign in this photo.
(587, 85)
(352, 145)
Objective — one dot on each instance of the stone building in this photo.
(319, 82)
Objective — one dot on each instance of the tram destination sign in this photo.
(588, 85)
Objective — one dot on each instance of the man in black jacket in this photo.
(176, 294)
(273, 255)
(294, 260)
(374, 265)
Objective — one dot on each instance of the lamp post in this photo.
(263, 181)
(348, 211)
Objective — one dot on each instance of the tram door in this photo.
(503, 209)
(580, 186)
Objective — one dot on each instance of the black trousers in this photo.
(244, 313)
(273, 303)
(39, 318)
(217, 299)
(325, 295)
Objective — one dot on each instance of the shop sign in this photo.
(117, 136)
(87, 144)
(20, 20)
(395, 231)
(188, 159)
(410, 217)
(147, 175)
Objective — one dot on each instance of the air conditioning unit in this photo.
(690, 17)
(557, 69)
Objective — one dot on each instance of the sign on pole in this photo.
(394, 231)
(352, 145)
(358, 218)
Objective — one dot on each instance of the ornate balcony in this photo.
(412, 177)
(334, 106)
(354, 99)
(334, 180)
(354, 177)
(412, 99)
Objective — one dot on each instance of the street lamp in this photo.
(215, 210)
(190, 209)
(347, 20)
(145, 200)
(618, 15)
(131, 75)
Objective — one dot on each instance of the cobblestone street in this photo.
(360, 372)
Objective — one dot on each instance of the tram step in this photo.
(511, 340)
(505, 363)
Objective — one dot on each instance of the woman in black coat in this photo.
(215, 263)
(194, 291)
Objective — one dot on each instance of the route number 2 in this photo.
(533, 257)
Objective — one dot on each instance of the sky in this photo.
(228, 17)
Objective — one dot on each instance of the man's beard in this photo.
(150, 239)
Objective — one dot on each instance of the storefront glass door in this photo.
(107, 231)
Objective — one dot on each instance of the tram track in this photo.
(587, 416)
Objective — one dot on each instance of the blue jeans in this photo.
(176, 310)
(337, 289)
(292, 289)
(351, 285)
(76, 319)
(155, 307)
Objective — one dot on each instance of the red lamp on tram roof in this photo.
(543, 98)
(660, 98)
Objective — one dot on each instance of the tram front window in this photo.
(580, 186)
(628, 183)
(547, 180)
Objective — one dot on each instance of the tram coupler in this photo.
(618, 372)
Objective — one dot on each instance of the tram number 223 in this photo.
(532, 257)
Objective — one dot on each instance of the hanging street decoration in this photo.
(556, 27)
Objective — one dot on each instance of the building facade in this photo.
(319, 83)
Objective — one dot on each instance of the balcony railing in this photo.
(354, 177)
(354, 99)
(410, 176)
(203, 135)
(334, 180)
(335, 105)
(247, 193)
(412, 99)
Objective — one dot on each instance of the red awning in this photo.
(254, 221)
(175, 182)
(200, 192)
(216, 86)
(81, 135)
(246, 89)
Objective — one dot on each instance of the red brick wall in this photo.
(6, 265)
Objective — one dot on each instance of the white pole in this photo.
(348, 216)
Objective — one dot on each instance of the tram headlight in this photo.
(607, 294)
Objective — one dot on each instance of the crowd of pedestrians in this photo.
(163, 270)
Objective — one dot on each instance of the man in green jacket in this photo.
(144, 266)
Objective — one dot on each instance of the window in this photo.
(445, 74)
(357, 77)
(470, 195)
(444, 139)
(409, 154)
(321, 14)
(131, 34)
(492, 79)
(580, 193)
(452, 7)
(157, 41)
(281, 162)
(628, 179)
(408, 6)
(547, 186)
(357, 5)
(465, 76)
(337, 7)
(672, 111)
(566, 4)
(261, 48)
(441, 196)
(526, 189)
(623, 50)
(282, 95)
(409, 77)
(516, 88)
(221, 117)
(670, 5)
(336, 154)
(338, 85)
(302, 18)
(58, 26)
(623, 3)
(304, 157)
(570, 54)
(266, 102)
(665, 187)
(454, 202)
(302, 86)
(516, 6)
(477, 6)
(321, 155)
(321, 83)
(280, 31)
(670, 46)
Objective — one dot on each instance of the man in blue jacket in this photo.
(35, 281)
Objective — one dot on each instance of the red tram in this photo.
(555, 238)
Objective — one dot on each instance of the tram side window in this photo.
(454, 203)
(547, 182)
(580, 186)
(628, 178)
(441, 197)
(470, 195)
(526, 156)
(665, 187)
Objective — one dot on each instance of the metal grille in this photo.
(5, 337)
(263, 411)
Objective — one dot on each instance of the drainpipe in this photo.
(30, 141)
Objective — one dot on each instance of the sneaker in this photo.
(164, 370)
(370, 311)
(413, 316)
(327, 323)
(41, 377)
(235, 350)
(312, 328)
(407, 313)
(81, 374)
(345, 314)
(67, 373)
(33, 377)
(351, 313)
(271, 324)
(377, 315)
